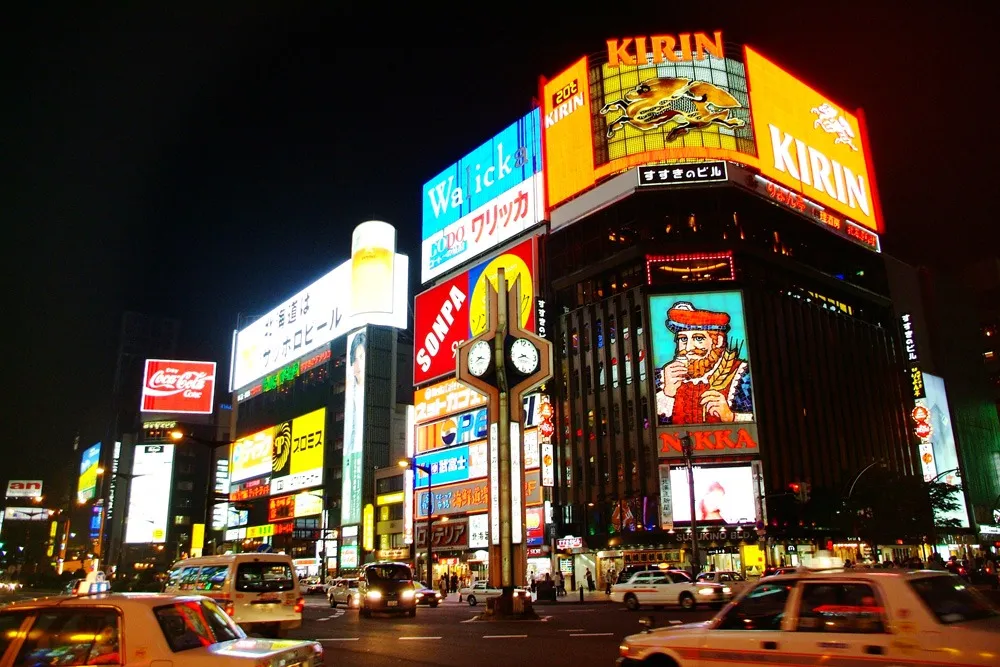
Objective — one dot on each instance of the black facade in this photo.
(827, 364)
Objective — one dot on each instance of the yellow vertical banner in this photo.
(197, 539)
(368, 528)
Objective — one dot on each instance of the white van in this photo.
(259, 591)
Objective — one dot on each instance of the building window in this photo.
(587, 382)
(586, 336)
(185, 486)
(600, 373)
(612, 334)
(182, 520)
(604, 421)
(575, 336)
(600, 335)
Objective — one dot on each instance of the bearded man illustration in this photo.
(707, 381)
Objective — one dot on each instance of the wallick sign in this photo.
(709, 440)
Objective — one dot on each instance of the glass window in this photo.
(183, 578)
(194, 624)
(388, 573)
(762, 609)
(948, 598)
(839, 607)
(263, 577)
(9, 624)
(211, 577)
(72, 637)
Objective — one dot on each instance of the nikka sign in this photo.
(738, 439)
(186, 387)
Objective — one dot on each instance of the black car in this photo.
(427, 596)
(387, 587)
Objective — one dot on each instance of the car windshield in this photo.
(353, 583)
(389, 573)
(195, 624)
(264, 577)
(950, 600)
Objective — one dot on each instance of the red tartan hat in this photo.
(683, 316)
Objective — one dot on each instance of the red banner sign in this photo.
(709, 440)
(186, 387)
(455, 310)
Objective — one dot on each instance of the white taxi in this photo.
(95, 627)
(842, 617)
(668, 587)
(480, 590)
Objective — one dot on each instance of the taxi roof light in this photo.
(93, 584)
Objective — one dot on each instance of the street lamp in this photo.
(688, 445)
(412, 463)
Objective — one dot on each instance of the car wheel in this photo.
(631, 602)
(333, 603)
(687, 602)
(472, 600)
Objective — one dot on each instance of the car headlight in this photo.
(623, 650)
(406, 595)
(374, 595)
(706, 591)
(437, 595)
(727, 590)
(420, 595)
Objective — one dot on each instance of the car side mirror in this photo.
(648, 623)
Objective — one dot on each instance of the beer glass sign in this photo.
(373, 247)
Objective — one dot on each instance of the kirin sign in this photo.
(455, 310)
(178, 386)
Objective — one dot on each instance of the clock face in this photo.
(479, 357)
(524, 356)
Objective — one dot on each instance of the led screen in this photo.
(149, 494)
(722, 494)
(942, 442)
(354, 414)
(89, 462)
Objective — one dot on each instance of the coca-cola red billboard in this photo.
(178, 386)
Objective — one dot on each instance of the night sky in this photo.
(199, 165)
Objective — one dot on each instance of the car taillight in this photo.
(230, 609)
(300, 605)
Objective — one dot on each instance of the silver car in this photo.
(345, 592)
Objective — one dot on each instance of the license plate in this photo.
(392, 603)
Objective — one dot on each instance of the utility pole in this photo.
(688, 444)
(504, 362)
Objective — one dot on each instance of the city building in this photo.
(729, 362)
(318, 388)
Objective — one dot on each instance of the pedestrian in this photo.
(560, 584)
(590, 581)
(443, 585)
(454, 583)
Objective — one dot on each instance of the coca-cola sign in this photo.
(178, 386)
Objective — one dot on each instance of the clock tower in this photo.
(505, 362)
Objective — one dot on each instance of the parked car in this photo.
(425, 595)
(344, 591)
(663, 587)
(775, 571)
(102, 628)
(736, 581)
(260, 591)
(312, 586)
(480, 590)
(834, 617)
(386, 587)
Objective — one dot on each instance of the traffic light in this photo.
(796, 490)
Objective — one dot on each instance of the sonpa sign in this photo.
(24, 488)
(455, 310)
